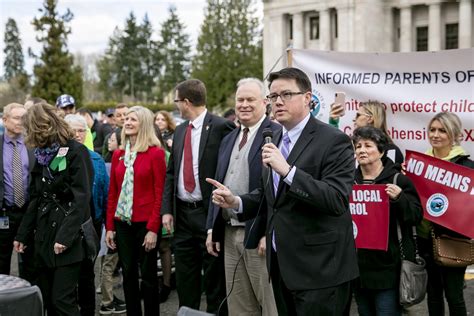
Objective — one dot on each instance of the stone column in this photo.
(275, 41)
(324, 30)
(465, 23)
(298, 30)
(406, 29)
(434, 27)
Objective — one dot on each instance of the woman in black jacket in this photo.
(376, 291)
(444, 133)
(60, 192)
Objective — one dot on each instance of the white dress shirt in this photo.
(196, 195)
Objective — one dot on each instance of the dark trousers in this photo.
(191, 258)
(86, 288)
(378, 302)
(58, 287)
(25, 260)
(132, 256)
(442, 281)
(329, 301)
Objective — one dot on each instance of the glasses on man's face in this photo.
(285, 96)
(178, 100)
(80, 130)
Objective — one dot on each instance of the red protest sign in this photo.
(446, 191)
(370, 216)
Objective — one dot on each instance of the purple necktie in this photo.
(285, 151)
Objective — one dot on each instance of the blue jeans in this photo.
(377, 302)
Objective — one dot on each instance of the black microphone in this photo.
(267, 135)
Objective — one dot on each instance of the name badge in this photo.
(4, 222)
(62, 151)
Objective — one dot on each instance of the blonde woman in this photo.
(370, 113)
(133, 212)
(444, 132)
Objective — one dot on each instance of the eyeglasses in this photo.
(80, 131)
(285, 96)
(178, 100)
(359, 114)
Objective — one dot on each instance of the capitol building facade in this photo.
(364, 26)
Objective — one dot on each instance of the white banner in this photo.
(412, 86)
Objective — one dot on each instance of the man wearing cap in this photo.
(109, 117)
(15, 165)
(67, 105)
(98, 130)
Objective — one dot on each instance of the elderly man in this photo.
(240, 159)
(16, 164)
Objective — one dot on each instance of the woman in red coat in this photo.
(133, 213)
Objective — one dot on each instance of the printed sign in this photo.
(446, 191)
(369, 208)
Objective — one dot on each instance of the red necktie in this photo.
(188, 172)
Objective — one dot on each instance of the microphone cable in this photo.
(245, 244)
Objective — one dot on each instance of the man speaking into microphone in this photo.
(310, 248)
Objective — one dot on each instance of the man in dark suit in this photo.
(186, 197)
(310, 245)
(15, 166)
(240, 160)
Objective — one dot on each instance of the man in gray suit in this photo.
(15, 167)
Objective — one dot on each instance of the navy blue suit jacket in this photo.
(214, 216)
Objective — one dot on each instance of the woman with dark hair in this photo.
(376, 291)
(444, 133)
(60, 191)
(167, 125)
(133, 220)
(370, 113)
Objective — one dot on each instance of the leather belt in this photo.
(191, 205)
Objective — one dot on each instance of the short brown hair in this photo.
(121, 106)
(194, 90)
(44, 127)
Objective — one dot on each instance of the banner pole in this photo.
(289, 57)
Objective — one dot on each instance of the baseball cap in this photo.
(109, 112)
(64, 101)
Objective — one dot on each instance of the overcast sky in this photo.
(95, 20)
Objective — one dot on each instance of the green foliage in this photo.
(55, 73)
(172, 54)
(128, 68)
(102, 106)
(14, 62)
(229, 48)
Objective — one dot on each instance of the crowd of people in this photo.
(255, 207)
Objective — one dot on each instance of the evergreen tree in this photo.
(55, 73)
(229, 48)
(173, 53)
(128, 68)
(14, 62)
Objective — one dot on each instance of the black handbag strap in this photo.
(399, 232)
